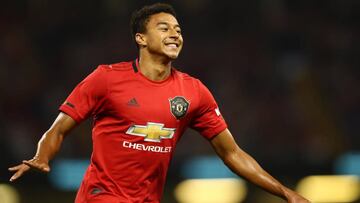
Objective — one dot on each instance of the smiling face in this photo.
(162, 36)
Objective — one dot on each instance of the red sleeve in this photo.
(88, 96)
(207, 120)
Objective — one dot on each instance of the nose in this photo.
(174, 34)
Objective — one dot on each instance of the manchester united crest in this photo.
(179, 106)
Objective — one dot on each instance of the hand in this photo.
(26, 165)
(296, 198)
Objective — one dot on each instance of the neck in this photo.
(154, 68)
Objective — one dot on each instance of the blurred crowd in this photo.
(285, 74)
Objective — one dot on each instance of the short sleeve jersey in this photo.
(136, 125)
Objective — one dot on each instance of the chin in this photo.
(172, 56)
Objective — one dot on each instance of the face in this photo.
(163, 36)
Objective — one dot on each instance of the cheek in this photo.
(182, 42)
(155, 41)
(152, 44)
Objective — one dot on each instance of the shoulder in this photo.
(121, 66)
(190, 80)
(104, 72)
(115, 70)
(184, 76)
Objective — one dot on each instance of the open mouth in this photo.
(172, 45)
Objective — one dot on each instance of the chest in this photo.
(136, 103)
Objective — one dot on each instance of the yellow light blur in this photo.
(8, 194)
(225, 190)
(330, 189)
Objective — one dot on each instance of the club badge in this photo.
(178, 106)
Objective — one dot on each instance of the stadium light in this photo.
(66, 174)
(8, 194)
(348, 164)
(330, 189)
(224, 190)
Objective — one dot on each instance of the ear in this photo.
(140, 39)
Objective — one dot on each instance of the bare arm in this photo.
(244, 165)
(48, 146)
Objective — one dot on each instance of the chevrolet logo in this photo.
(153, 132)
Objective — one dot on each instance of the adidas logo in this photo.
(132, 102)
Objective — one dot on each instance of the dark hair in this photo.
(140, 18)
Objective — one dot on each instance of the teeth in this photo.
(171, 45)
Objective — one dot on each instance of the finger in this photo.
(32, 163)
(18, 174)
(14, 177)
(42, 166)
(15, 168)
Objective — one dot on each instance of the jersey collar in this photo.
(135, 65)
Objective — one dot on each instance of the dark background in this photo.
(285, 74)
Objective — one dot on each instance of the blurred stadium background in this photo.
(284, 72)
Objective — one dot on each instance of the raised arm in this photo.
(48, 146)
(244, 165)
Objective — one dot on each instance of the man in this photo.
(140, 110)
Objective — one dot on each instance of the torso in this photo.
(137, 123)
(135, 136)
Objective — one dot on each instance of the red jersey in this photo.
(137, 123)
